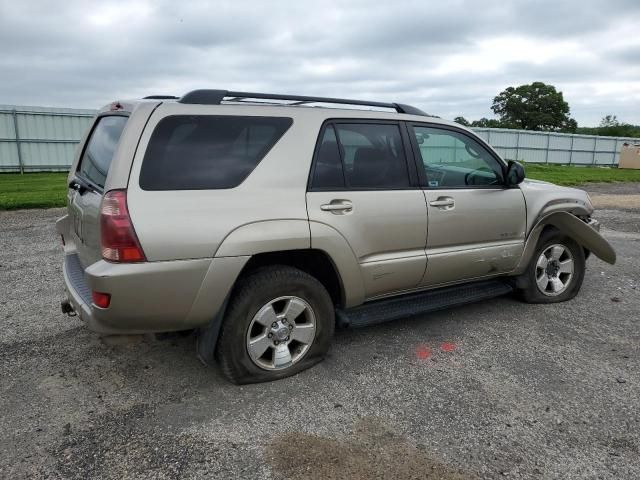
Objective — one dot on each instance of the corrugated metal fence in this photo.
(558, 148)
(40, 139)
(44, 139)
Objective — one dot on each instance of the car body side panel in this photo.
(445, 267)
(194, 223)
(216, 286)
(266, 236)
(544, 198)
(330, 241)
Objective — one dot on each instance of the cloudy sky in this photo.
(449, 58)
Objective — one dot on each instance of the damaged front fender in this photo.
(573, 227)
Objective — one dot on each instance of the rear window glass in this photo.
(188, 152)
(100, 148)
(328, 172)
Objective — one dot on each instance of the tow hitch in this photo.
(67, 308)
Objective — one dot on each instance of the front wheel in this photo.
(280, 321)
(556, 270)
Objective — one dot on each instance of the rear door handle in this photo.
(337, 206)
(445, 203)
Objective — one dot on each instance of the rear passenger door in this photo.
(363, 186)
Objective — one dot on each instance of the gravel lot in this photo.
(490, 390)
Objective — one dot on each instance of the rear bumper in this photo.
(153, 296)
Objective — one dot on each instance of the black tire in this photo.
(531, 292)
(251, 294)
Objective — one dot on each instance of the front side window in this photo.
(200, 152)
(98, 154)
(452, 159)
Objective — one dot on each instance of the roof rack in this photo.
(161, 97)
(215, 97)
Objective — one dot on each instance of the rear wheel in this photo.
(556, 270)
(280, 321)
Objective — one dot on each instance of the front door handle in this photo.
(444, 203)
(337, 206)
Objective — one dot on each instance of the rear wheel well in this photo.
(312, 261)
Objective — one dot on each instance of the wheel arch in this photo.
(574, 228)
(315, 262)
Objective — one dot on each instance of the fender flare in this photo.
(265, 236)
(573, 227)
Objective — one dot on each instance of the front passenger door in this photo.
(476, 224)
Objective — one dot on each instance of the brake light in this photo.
(118, 238)
(100, 299)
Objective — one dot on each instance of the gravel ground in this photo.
(494, 389)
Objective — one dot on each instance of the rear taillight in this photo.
(119, 240)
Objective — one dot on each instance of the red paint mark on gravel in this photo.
(448, 347)
(423, 352)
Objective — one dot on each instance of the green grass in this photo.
(564, 175)
(32, 190)
(46, 190)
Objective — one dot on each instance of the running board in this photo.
(394, 308)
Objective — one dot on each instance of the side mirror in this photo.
(515, 173)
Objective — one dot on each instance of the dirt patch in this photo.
(616, 201)
(372, 451)
(616, 188)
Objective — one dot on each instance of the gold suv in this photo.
(262, 221)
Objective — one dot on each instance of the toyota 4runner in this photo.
(262, 221)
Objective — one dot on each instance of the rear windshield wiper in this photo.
(79, 185)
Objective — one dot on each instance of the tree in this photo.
(610, 126)
(462, 121)
(609, 121)
(488, 123)
(533, 107)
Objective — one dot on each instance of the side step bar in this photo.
(385, 310)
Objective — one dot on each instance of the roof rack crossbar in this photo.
(215, 97)
(160, 97)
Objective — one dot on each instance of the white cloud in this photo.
(449, 58)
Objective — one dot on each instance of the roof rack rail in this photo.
(161, 97)
(215, 97)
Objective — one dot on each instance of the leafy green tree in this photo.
(462, 121)
(611, 127)
(488, 123)
(537, 106)
(609, 121)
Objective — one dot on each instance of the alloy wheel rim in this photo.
(554, 270)
(281, 333)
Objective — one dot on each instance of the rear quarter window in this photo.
(198, 152)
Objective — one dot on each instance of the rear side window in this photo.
(361, 156)
(328, 172)
(98, 154)
(202, 152)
